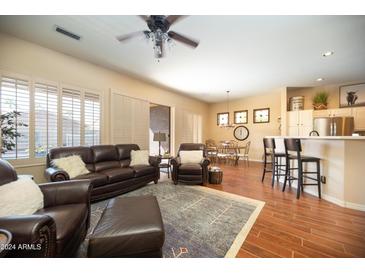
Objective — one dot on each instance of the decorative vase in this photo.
(319, 106)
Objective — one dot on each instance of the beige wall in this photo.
(21, 57)
(271, 99)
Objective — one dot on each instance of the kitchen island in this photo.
(342, 164)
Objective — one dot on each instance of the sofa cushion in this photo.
(139, 157)
(21, 197)
(73, 165)
(191, 169)
(191, 156)
(96, 179)
(105, 157)
(118, 174)
(143, 170)
(68, 218)
(84, 152)
(124, 150)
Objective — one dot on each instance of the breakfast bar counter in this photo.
(342, 164)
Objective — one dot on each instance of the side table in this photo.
(166, 164)
(5, 239)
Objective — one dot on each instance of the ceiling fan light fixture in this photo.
(327, 53)
(227, 125)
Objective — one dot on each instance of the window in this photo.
(261, 115)
(71, 117)
(222, 118)
(240, 117)
(14, 96)
(44, 116)
(92, 119)
(46, 123)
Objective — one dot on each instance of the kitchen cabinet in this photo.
(300, 123)
(359, 118)
(334, 112)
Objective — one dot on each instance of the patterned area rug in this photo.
(199, 222)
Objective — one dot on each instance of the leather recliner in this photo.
(190, 173)
(109, 167)
(59, 228)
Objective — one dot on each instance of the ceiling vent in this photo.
(67, 33)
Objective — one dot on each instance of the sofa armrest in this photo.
(154, 161)
(67, 192)
(54, 174)
(175, 162)
(32, 235)
(205, 162)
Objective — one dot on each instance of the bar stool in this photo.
(275, 163)
(293, 149)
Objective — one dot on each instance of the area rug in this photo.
(199, 222)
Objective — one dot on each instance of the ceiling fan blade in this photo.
(143, 17)
(123, 38)
(173, 18)
(183, 39)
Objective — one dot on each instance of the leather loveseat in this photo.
(58, 229)
(190, 173)
(109, 166)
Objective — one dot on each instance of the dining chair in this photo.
(244, 156)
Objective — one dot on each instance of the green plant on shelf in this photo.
(320, 100)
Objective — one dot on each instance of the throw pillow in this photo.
(191, 156)
(73, 165)
(139, 157)
(20, 197)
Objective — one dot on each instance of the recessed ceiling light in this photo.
(327, 53)
(319, 79)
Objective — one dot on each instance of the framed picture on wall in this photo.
(222, 118)
(241, 117)
(352, 95)
(261, 115)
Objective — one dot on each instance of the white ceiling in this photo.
(244, 54)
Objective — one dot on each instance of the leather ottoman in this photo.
(129, 227)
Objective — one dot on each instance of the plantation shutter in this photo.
(46, 118)
(129, 120)
(92, 119)
(71, 117)
(14, 96)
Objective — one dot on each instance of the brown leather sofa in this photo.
(110, 172)
(190, 173)
(58, 229)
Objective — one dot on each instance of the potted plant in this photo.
(320, 100)
(9, 123)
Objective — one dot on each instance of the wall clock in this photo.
(241, 133)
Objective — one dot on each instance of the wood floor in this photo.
(287, 227)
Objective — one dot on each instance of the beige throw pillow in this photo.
(20, 197)
(191, 156)
(139, 157)
(73, 165)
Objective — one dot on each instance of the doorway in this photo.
(160, 129)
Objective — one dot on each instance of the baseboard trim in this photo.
(334, 200)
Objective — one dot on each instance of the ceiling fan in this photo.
(159, 33)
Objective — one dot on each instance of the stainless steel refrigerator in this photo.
(334, 126)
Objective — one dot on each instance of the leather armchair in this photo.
(190, 173)
(59, 228)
